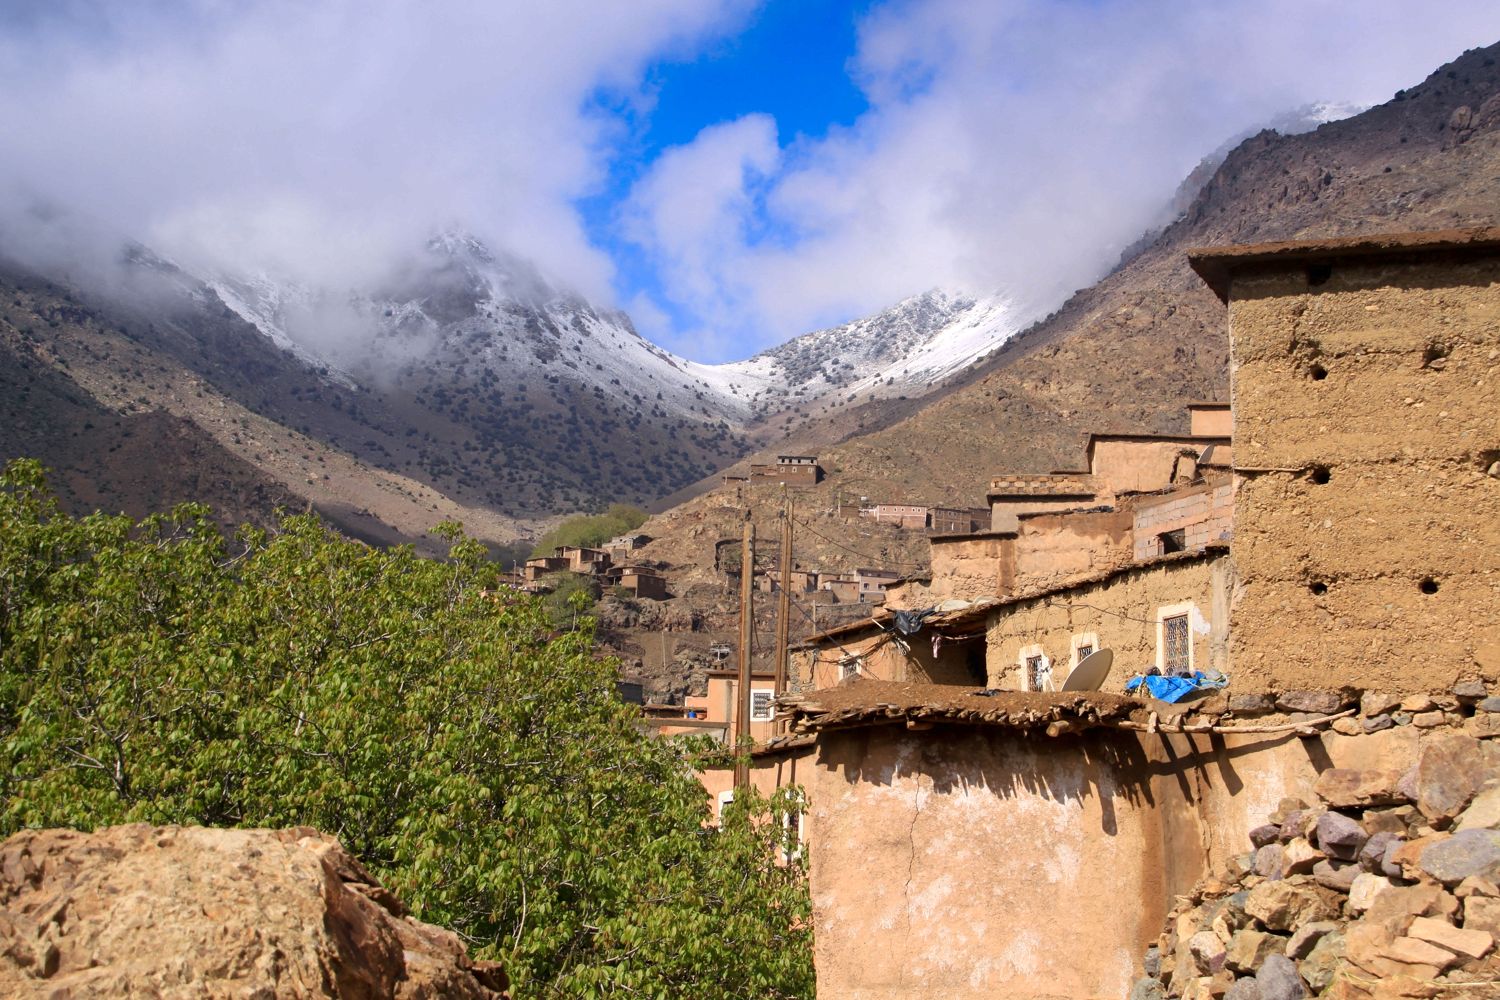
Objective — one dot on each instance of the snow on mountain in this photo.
(460, 308)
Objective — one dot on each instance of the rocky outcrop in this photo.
(1384, 887)
(192, 912)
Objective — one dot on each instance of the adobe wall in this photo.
(1210, 421)
(1136, 466)
(723, 705)
(1203, 513)
(1005, 512)
(1121, 612)
(968, 862)
(1405, 420)
(971, 567)
(768, 772)
(882, 658)
(1053, 549)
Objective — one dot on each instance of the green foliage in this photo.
(469, 752)
(590, 530)
(573, 594)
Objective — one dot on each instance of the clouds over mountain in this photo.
(1021, 143)
(318, 138)
(1014, 144)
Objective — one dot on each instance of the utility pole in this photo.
(747, 631)
(784, 604)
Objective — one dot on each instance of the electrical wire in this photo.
(863, 555)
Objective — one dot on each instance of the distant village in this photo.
(1111, 676)
(613, 565)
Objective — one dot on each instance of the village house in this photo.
(540, 566)
(952, 520)
(844, 589)
(798, 581)
(902, 515)
(872, 582)
(582, 559)
(620, 547)
(920, 517)
(788, 470)
(777, 761)
(640, 581)
(952, 828)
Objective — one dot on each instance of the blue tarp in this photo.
(1171, 689)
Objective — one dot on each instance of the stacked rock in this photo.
(1384, 887)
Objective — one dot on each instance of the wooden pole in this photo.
(784, 602)
(747, 627)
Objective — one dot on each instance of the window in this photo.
(762, 705)
(1172, 541)
(849, 666)
(1177, 655)
(1175, 625)
(1036, 669)
(1083, 644)
(792, 846)
(724, 799)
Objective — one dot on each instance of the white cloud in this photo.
(322, 137)
(1017, 144)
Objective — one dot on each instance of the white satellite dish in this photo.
(1091, 671)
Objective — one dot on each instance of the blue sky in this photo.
(791, 61)
(730, 172)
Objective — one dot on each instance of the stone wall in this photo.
(1367, 528)
(1122, 613)
(1014, 494)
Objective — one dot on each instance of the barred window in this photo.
(1176, 648)
(1036, 676)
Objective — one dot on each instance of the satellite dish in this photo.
(1091, 671)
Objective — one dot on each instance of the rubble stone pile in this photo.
(1384, 887)
(186, 912)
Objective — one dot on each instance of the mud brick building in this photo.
(788, 470)
(1366, 389)
(1339, 560)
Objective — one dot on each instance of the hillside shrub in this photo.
(590, 530)
(470, 752)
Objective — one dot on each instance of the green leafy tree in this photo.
(590, 530)
(449, 733)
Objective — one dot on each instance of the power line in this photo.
(863, 555)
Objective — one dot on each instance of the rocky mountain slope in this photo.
(462, 381)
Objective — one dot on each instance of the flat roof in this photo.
(866, 702)
(965, 536)
(1186, 439)
(1217, 266)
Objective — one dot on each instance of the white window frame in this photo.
(1026, 653)
(769, 714)
(1164, 612)
(1090, 639)
(797, 820)
(851, 666)
(724, 798)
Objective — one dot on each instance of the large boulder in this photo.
(1449, 772)
(177, 912)
(1466, 854)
